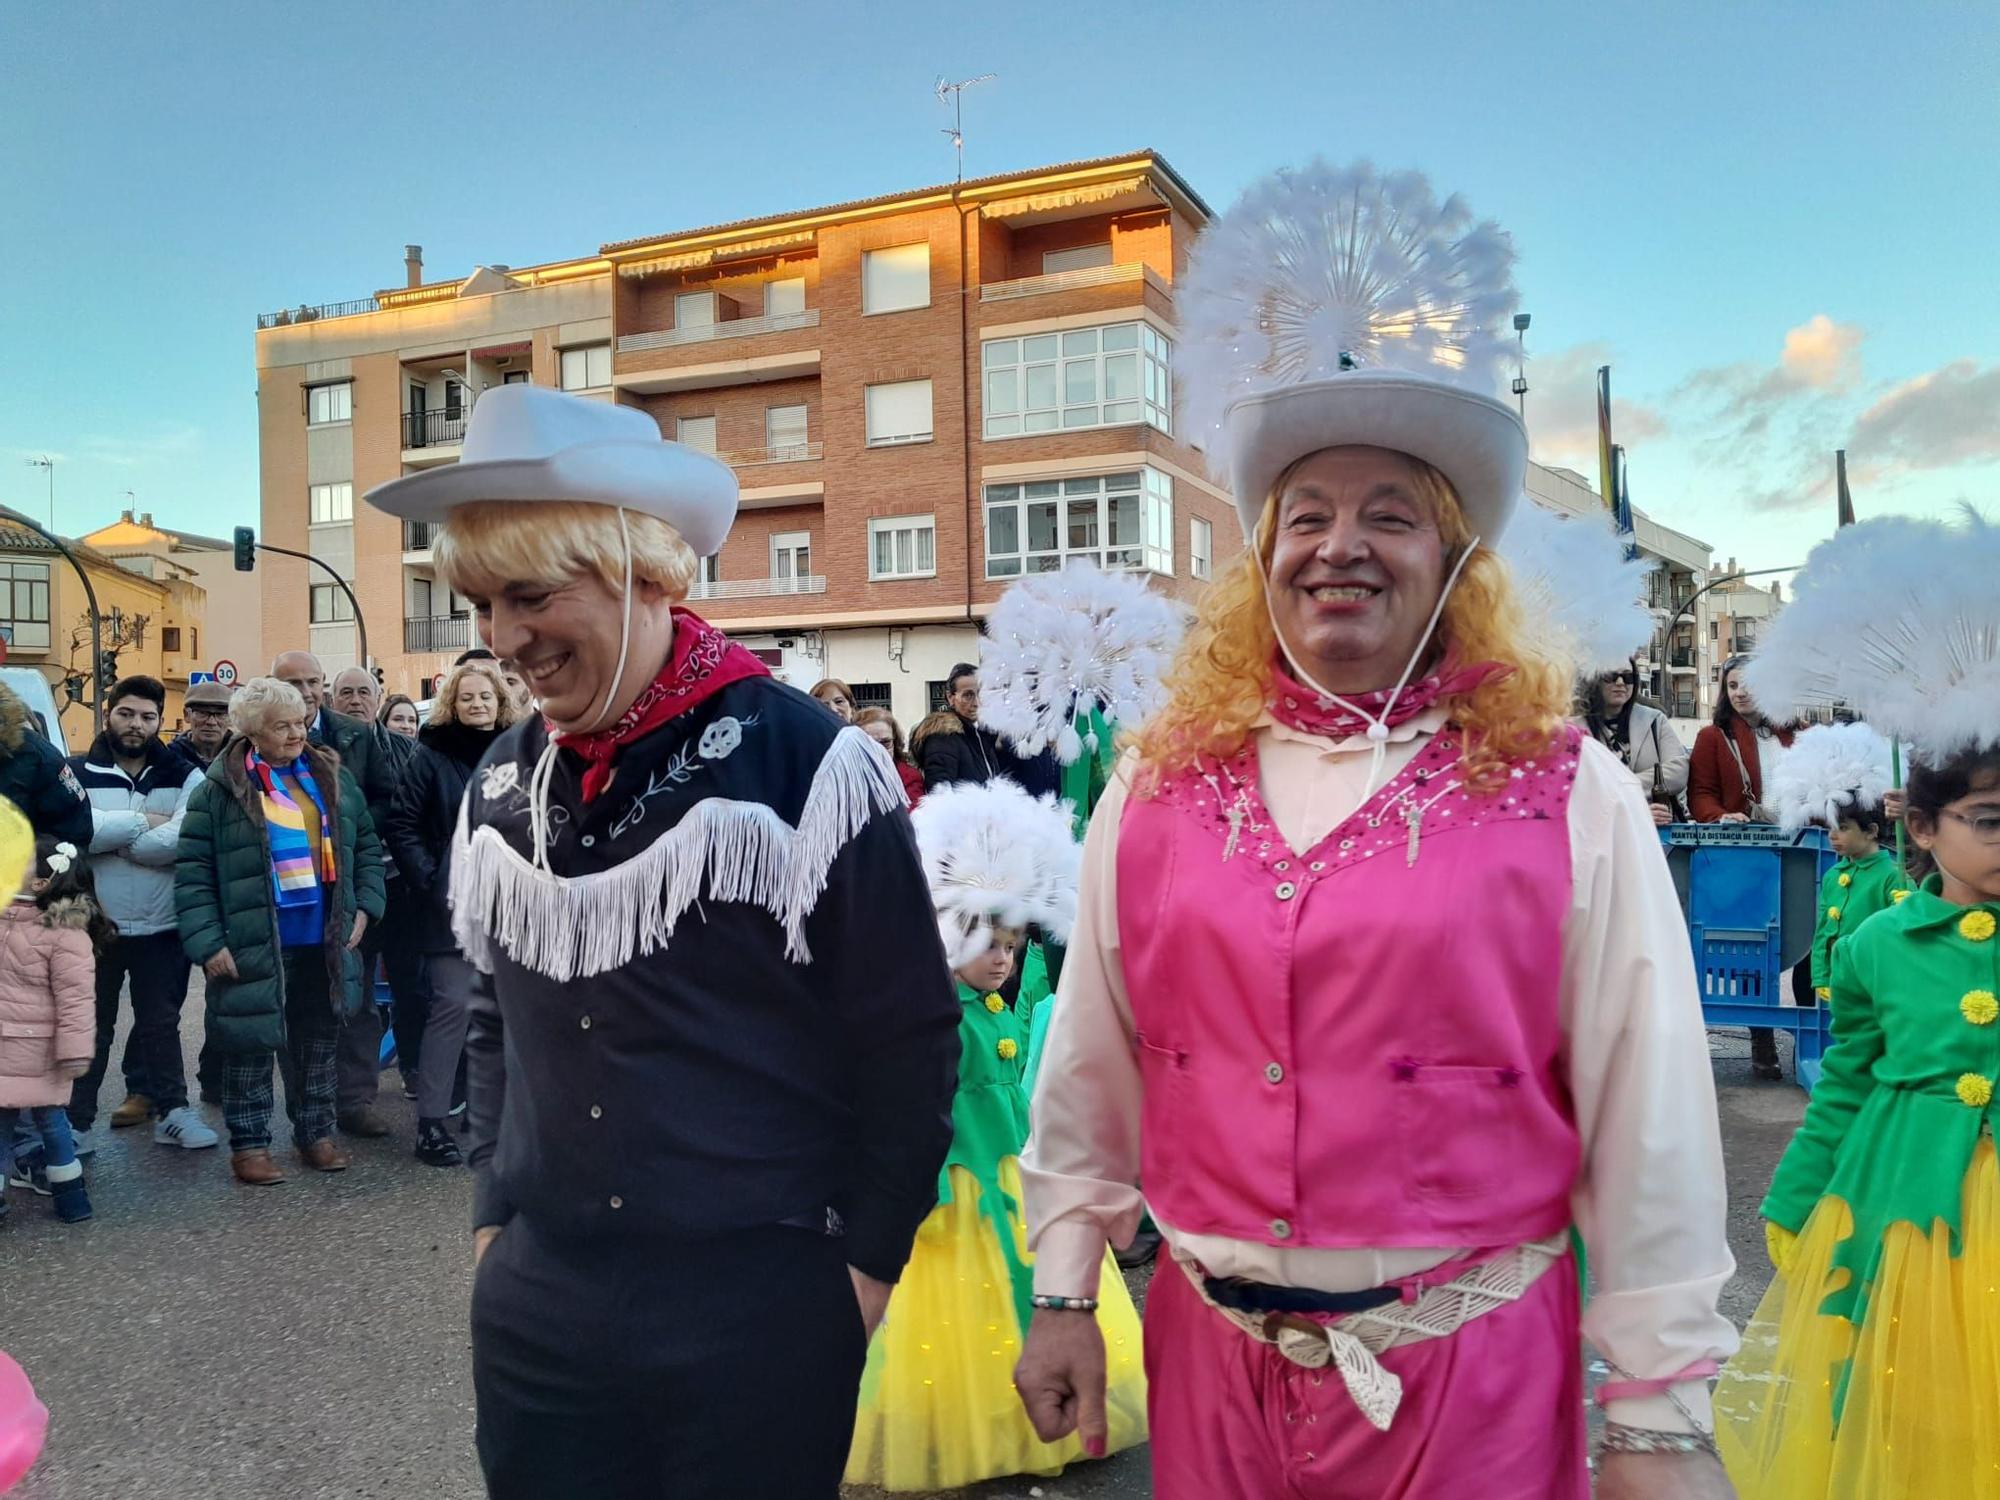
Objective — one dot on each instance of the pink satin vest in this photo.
(1357, 1045)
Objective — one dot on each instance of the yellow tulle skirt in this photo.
(1919, 1406)
(938, 1408)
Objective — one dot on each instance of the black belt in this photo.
(1239, 1295)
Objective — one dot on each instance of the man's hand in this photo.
(482, 1241)
(873, 1296)
(221, 966)
(1061, 1378)
(360, 926)
(1662, 1476)
(154, 820)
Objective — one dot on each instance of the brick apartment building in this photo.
(925, 396)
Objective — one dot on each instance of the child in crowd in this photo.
(1862, 882)
(48, 1020)
(938, 1408)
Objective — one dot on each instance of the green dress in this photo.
(1849, 894)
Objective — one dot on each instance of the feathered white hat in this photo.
(1899, 620)
(1338, 305)
(1060, 645)
(1829, 768)
(528, 443)
(1578, 587)
(996, 857)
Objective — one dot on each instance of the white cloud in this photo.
(1562, 409)
(1949, 416)
(137, 451)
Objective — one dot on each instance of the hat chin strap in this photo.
(543, 776)
(1378, 724)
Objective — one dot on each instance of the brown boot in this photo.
(255, 1169)
(136, 1110)
(323, 1156)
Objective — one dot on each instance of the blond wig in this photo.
(554, 542)
(444, 707)
(1222, 676)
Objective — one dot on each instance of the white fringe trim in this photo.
(572, 927)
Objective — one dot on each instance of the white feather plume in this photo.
(1061, 644)
(1829, 769)
(1898, 619)
(996, 857)
(1577, 587)
(1320, 262)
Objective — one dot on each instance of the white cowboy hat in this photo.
(529, 443)
(1475, 441)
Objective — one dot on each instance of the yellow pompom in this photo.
(995, 1004)
(1975, 1089)
(1897, 898)
(17, 849)
(1846, 881)
(1979, 1007)
(1007, 1049)
(1833, 914)
(1977, 925)
(1824, 993)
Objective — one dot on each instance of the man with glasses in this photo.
(205, 716)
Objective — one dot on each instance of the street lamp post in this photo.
(48, 463)
(1521, 321)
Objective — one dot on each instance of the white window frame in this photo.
(921, 535)
(592, 361)
(1045, 383)
(888, 283)
(1076, 258)
(792, 544)
(329, 404)
(1075, 521)
(689, 431)
(1201, 548)
(333, 597)
(878, 438)
(330, 504)
(784, 438)
(780, 290)
(710, 572)
(25, 603)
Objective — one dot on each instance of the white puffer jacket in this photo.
(131, 857)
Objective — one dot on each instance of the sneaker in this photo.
(183, 1127)
(30, 1171)
(410, 1092)
(85, 1146)
(136, 1110)
(458, 1109)
(435, 1147)
(72, 1200)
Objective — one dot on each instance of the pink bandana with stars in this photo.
(1294, 704)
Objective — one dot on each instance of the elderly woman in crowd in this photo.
(278, 876)
(472, 707)
(880, 726)
(837, 696)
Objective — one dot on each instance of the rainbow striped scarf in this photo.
(294, 877)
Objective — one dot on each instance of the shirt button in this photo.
(1317, 865)
(1286, 890)
(590, 841)
(596, 1111)
(1273, 1073)
(1280, 1229)
(584, 1023)
(617, 1202)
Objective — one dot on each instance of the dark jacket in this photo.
(365, 754)
(712, 1082)
(35, 778)
(223, 896)
(421, 820)
(947, 748)
(184, 742)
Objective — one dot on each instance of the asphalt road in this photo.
(200, 1339)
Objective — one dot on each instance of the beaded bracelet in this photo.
(1064, 1304)
(1618, 1438)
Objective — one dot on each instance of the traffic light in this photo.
(107, 671)
(246, 549)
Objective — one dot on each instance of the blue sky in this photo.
(1776, 222)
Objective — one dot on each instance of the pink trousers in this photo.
(1494, 1410)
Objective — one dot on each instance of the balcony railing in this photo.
(435, 429)
(1062, 281)
(416, 536)
(789, 453)
(306, 314)
(438, 633)
(757, 588)
(1682, 659)
(702, 333)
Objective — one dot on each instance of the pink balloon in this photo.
(24, 1423)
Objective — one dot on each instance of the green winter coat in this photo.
(223, 896)
(1851, 892)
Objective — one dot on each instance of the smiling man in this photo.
(747, 1103)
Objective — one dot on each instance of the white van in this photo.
(33, 689)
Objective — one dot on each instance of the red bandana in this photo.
(705, 661)
(1293, 703)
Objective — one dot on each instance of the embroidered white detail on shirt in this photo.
(497, 780)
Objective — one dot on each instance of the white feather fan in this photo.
(996, 857)
(1061, 644)
(1830, 769)
(1898, 619)
(1320, 263)
(1578, 589)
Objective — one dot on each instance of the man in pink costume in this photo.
(1379, 982)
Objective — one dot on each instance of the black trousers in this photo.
(651, 1369)
(153, 1064)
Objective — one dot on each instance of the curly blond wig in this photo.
(554, 542)
(1222, 676)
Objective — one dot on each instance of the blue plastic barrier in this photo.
(1750, 894)
(387, 1003)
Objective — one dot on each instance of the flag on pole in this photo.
(1621, 499)
(1606, 480)
(1840, 479)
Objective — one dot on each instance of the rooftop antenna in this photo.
(953, 94)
